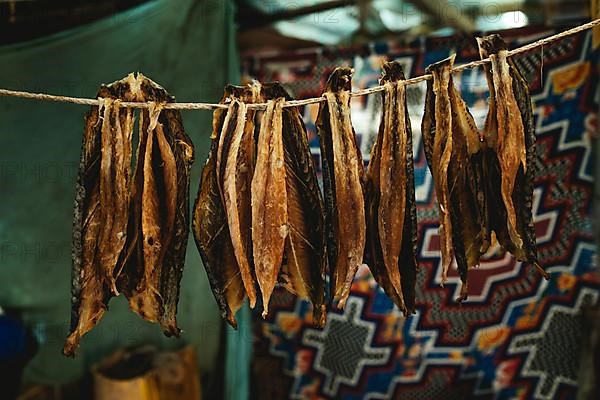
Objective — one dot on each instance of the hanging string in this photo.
(295, 103)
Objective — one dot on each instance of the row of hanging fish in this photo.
(260, 219)
(130, 228)
(483, 183)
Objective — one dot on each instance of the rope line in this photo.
(295, 103)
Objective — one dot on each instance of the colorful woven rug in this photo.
(517, 336)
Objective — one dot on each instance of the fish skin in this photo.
(210, 228)
(437, 135)
(173, 258)
(510, 137)
(503, 164)
(132, 260)
(469, 160)
(304, 267)
(396, 123)
(237, 181)
(408, 254)
(329, 200)
(211, 235)
(510, 207)
(115, 166)
(170, 280)
(89, 295)
(158, 219)
(496, 212)
(91, 282)
(525, 179)
(428, 121)
(392, 174)
(146, 299)
(464, 188)
(467, 197)
(161, 211)
(230, 124)
(343, 175)
(269, 202)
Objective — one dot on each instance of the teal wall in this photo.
(186, 46)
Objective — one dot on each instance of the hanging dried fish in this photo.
(174, 258)
(269, 202)
(390, 196)
(100, 216)
(509, 162)
(159, 211)
(453, 152)
(304, 267)
(115, 170)
(157, 216)
(209, 223)
(343, 172)
(236, 184)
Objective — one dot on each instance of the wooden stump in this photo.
(144, 374)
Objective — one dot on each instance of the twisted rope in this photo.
(295, 103)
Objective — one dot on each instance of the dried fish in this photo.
(115, 169)
(269, 202)
(509, 162)
(343, 172)
(159, 211)
(390, 196)
(455, 163)
(102, 198)
(213, 241)
(437, 136)
(237, 181)
(209, 223)
(158, 214)
(304, 267)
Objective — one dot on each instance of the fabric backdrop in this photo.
(517, 336)
(188, 47)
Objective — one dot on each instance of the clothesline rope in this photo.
(296, 103)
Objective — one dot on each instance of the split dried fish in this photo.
(343, 174)
(453, 151)
(304, 266)
(269, 202)
(510, 155)
(130, 236)
(236, 185)
(101, 203)
(209, 223)
(390, 196)
(159, 211)
(115, 170)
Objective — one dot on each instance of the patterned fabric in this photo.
(517, 336)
